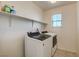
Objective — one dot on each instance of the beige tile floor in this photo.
(62, 53)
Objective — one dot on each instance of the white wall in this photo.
(67, 33)
(12, 30)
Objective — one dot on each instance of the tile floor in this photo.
(62, 53)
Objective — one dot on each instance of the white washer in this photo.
(37, 48)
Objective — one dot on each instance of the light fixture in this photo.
(52, 1)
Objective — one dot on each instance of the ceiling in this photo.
(45, 5)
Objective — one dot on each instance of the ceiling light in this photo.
(52, 1)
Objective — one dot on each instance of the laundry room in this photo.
(39, 29)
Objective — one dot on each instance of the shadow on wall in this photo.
(12, 38)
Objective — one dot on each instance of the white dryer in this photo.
(54, 42)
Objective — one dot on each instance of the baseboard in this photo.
(67, 51)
